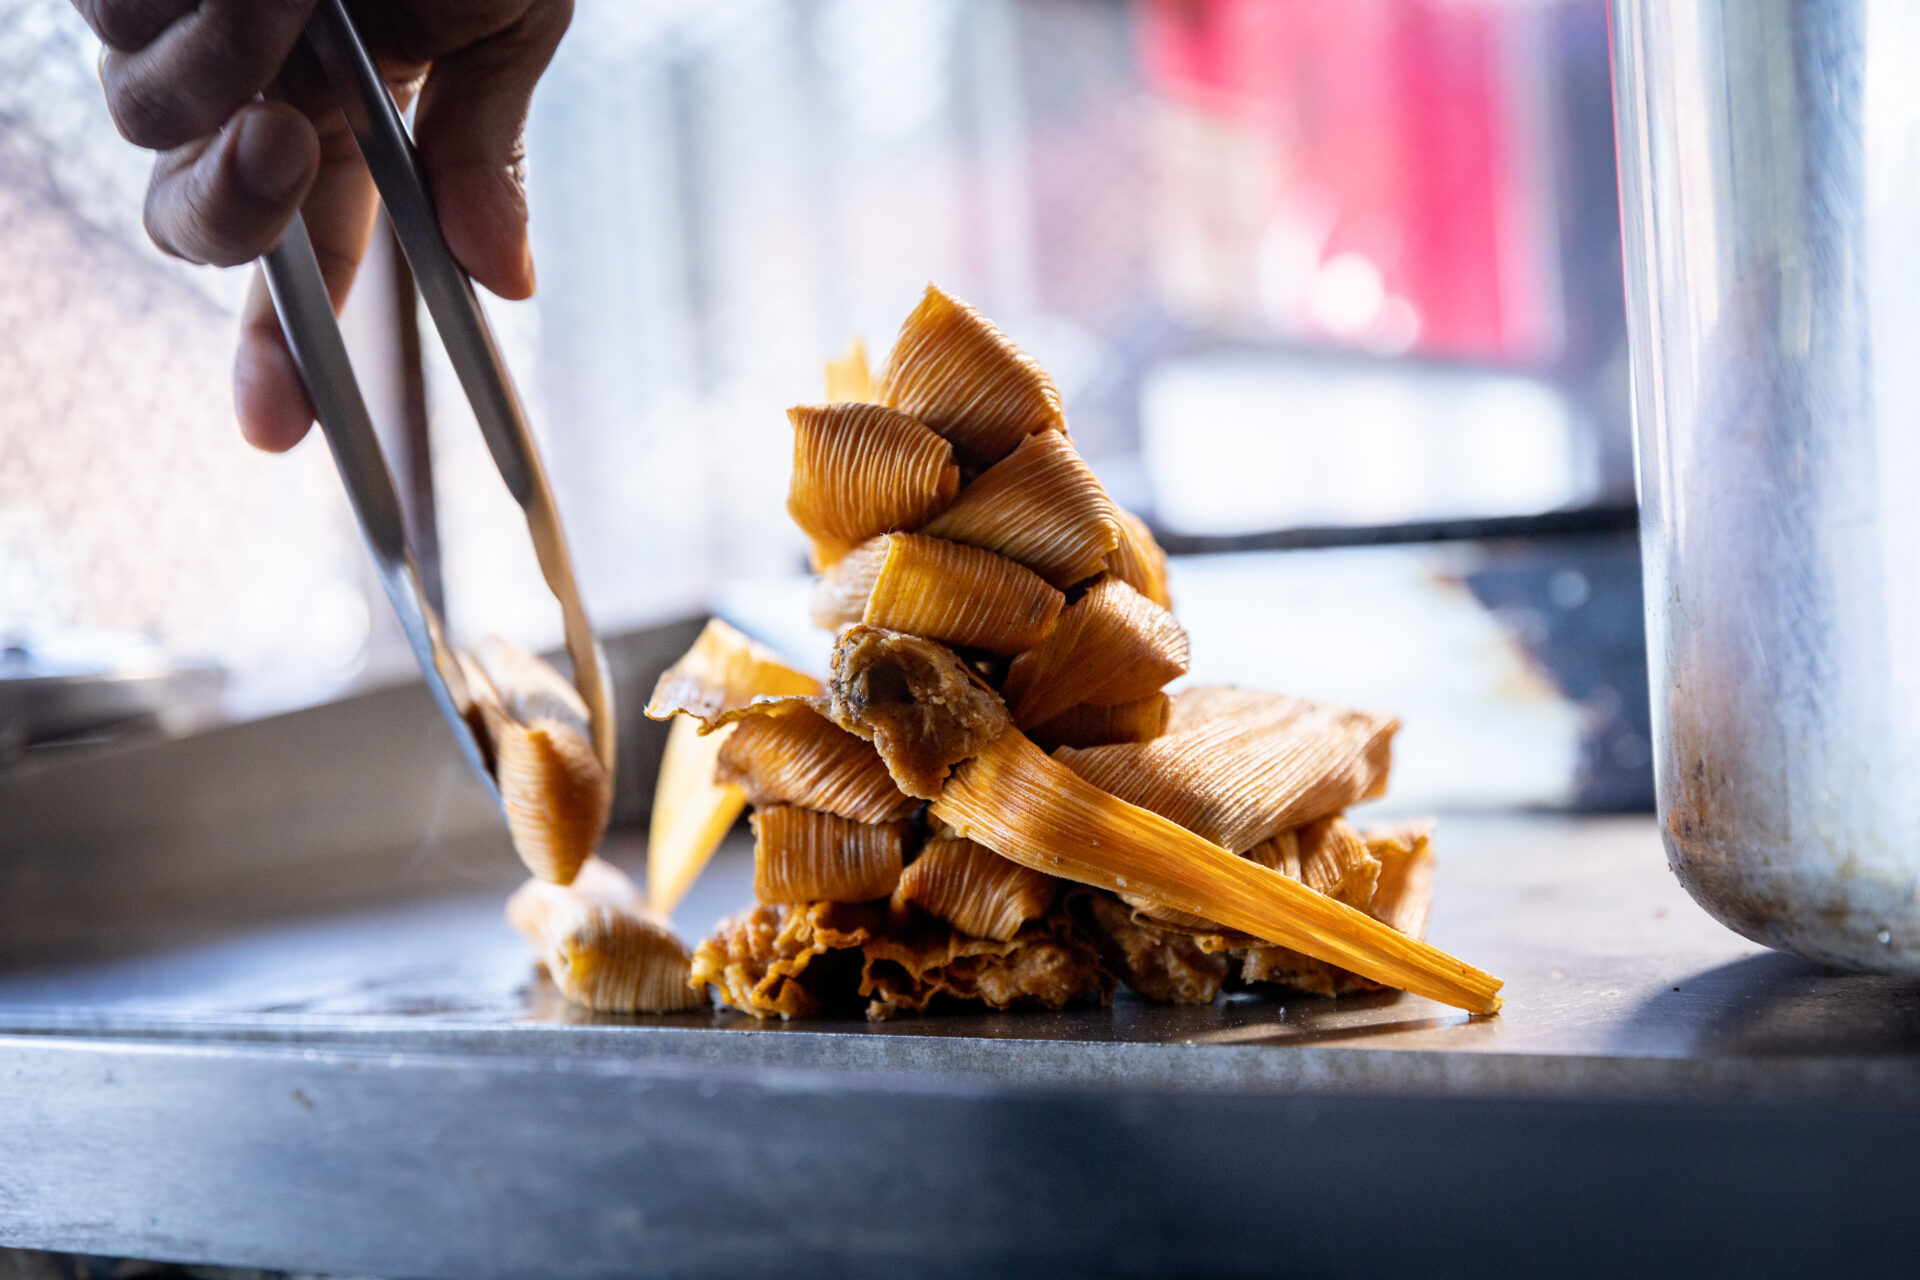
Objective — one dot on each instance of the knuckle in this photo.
(147, 114)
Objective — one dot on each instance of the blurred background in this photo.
(1332, 292)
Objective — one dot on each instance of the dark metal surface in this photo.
(389, 1089)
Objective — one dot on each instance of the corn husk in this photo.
(923, 709)
(861, 470)
(1334, 860)
(767, 959)
(1039, 506)
(556, 793)
(1138, 561)
(849, 381)
(802, 855)
(974, 889)
(692, 811)
(601, 945)
(1112, 645)
(929, 587)
(1237, 766)
(1026, 806)
(955, 371)
(1089, 726)
(724, 671)
(1403, 895)
(787, 752)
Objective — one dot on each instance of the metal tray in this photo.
(326, 1052)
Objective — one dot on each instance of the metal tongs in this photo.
(306, 315)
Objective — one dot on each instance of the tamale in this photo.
(601, 945)
(724, 671)
(861, 470)
(974, 889)
(1048, 965)
(930, 587)
(692, 811)
(1404, 895)
(786, 961)
(1161, 964)
(849, 381)
(1039, 506)
(922, 708)
(555, 791)
(1138, 561)
(1237, 766)
(1112, 645)
(803, 855)
(1334, 860)
(954, 370)
(1090, 726)
(1024, 805)
(788, 752)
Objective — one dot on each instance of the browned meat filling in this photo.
(923, 708)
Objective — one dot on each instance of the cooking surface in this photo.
(242, 1092)
(1616, 984)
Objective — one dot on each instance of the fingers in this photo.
(470, 128)
(268, 396)
(224, 200)
(191, 71)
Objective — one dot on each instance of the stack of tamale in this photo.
(993, 801)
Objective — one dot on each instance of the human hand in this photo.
(182, 78)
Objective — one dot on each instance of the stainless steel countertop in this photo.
(403, 1053)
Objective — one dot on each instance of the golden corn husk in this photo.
(864, 469)
(692, 811)
(1112, 645)
(1090, 726)
(1237, 766)
(722, 672)
(974, 889)
(930, 587)
(955, 371)
(1023, 804)
(1138, 561)
(787, 752)
(849, 381)
(922, 708)
(1039, 506)
(803, 855)
(1403, 896)
(556, 793)
(764, 961)
(1334, 860)
(601, 945)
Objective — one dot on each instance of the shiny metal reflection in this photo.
(1769, 157)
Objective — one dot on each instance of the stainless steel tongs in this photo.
(306, 314)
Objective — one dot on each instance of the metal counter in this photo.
(388, 1088)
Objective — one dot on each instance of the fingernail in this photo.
(269, 168)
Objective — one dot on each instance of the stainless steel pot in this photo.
(1769, 157)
